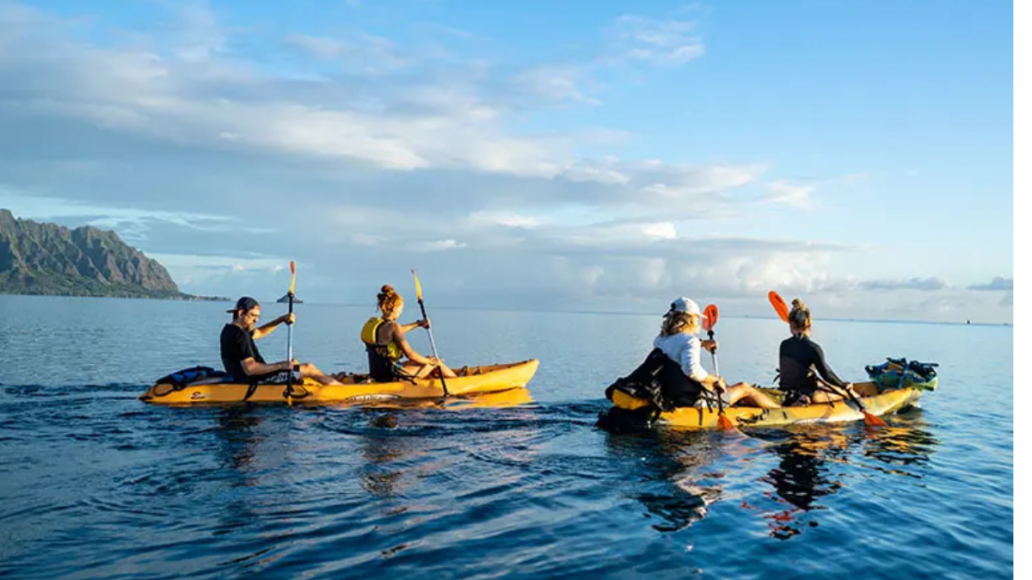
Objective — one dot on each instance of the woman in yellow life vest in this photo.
(385, 342)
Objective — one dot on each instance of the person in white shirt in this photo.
(697, 387)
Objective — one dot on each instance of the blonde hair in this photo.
(388, 300)
(676, 322)
(800, 317)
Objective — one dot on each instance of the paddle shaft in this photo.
(290, 344)
(433, 346)
(844, 393)
(716, 371)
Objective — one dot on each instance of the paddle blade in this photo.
(724, 424)
(293, 271)
(419, 289)
(873, 420)
(711, 314)
(779, 305)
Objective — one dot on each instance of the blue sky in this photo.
(593, 156)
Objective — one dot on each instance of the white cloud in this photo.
(508, 219)
(222, 165)
(791, 195)
(438, 246)
(557, 83)
(319, 46)
(997, 283)
(661, 42)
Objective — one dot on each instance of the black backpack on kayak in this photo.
(660, 381)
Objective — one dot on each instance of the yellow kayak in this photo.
(877, 403)
(356, 389)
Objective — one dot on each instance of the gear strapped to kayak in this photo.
(897, 373)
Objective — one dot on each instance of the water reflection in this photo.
(802, 477)
(391, 449)
(384, 452)
(676, 480)
(236, 429)
(815, 461)
(670, 473)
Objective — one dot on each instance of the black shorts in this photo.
(278, 378)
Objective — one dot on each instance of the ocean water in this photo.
(97, 484)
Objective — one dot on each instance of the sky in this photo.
(582, 156)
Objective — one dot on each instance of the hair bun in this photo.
(386, 289)
(797, 303)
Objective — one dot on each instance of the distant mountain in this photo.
(48, 259)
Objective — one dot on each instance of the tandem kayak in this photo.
(877, 402)
(190, 387)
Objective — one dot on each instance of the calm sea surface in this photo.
(96, 484)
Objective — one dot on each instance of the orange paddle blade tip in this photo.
(712, 314)
(779, 305)
(873, 420)
(293, 270)
(724, 424)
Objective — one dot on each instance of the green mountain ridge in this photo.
(52, 260)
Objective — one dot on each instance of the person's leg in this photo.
(309, 370)
(415, 370)
(419, 371)
(447, 372)
(825, 397)
(746, 393)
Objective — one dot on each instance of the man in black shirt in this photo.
(240, 355)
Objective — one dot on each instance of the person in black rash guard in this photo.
(800, 357)
(240, 355)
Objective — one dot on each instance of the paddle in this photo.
(290, 335)
(870, 419)
(433, 346)
(711, 315)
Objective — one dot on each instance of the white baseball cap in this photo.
(686, 305)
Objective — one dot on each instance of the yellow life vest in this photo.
(389, 350)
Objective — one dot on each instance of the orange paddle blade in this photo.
(724, 424)
(293, 271)
(419, 289)
(711, 315)
(873, 420)
(779, 305)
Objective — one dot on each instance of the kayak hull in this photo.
(476, 381)
(879, 404)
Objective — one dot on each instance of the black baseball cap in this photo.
(245, 303)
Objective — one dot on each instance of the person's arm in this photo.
(406, 349)
(821, 365)
(248, 362)
(252, 367)
(406, 328)
(691, 362)
(265, 329)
